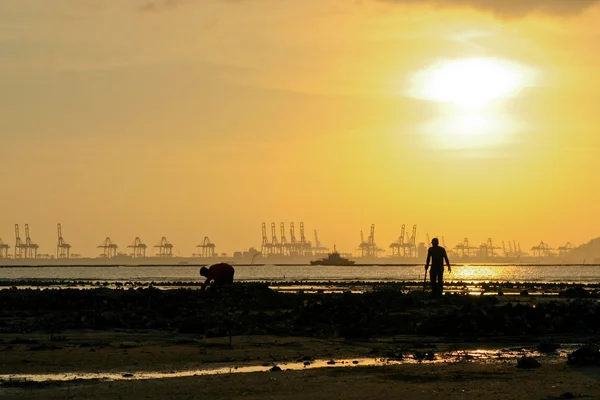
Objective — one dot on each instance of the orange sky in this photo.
(192, 118)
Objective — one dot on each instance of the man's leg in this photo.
(440, 285)
(433, 281)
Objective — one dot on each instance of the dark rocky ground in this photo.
(135, 328)
(255, 309)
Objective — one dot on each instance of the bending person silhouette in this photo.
(436, 255)
(220, 274)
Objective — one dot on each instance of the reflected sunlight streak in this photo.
(475, 273)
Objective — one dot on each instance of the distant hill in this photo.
(588, 253)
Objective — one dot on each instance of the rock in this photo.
(548, 347)
(127, 375)
(394, 355)
(524, 293)
(567, 395)
(575, 292)
(585, 355)
(127, 345)
(275, 368)
(331, 362)
(428, 355)
(528, 363)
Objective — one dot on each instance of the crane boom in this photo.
(372, 235)
(274, 240)
(17, 237)
(292, 233)
(265, 239)
(402, 233)
(282, 230)
(302, 237)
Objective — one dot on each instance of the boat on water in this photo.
(333, 259)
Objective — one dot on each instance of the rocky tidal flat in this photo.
(128, 331)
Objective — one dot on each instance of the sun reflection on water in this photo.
(476, 273)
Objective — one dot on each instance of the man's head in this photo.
(204, 271)
(435, 242)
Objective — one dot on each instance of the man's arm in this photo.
(428, 259)
(447, 261)
(205, 284)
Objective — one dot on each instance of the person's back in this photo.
(436, 255)
(220, 274)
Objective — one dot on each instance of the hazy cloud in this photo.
(501, 8)
(511, 8)
(159, 5)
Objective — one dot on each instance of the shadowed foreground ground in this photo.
(440, 381)
(127, 331)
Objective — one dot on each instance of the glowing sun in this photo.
(469, 83)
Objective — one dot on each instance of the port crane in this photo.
(487, 249)
(31, 248)
(208, 248)
(410, 243)
(109, 248)
(318, 248)
(363, 246)
(19, 245)
(63, 249)
(399, 244)
(295, 248)
(285, 246)
(274, 241)
(463, 249)
(266, 247)
(369, 248)
(371, 242)
(541, 250)
(305, 246)
(165, 249)
(139, 248)
(3, 249)
(566, 249)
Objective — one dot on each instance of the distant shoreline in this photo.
(196, 265)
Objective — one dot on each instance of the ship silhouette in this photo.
(333, 259)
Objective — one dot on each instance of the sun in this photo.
(469, 83)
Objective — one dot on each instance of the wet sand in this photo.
(127, 332)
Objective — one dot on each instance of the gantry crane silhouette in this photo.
(139, 248)
(109, 248)
(63, 249)
(165, 249)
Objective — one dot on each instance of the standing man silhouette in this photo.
(436, 255)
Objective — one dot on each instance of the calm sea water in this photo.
(510, 273)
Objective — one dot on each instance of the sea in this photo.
(477, 273)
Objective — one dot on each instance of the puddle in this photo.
(479, 356)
